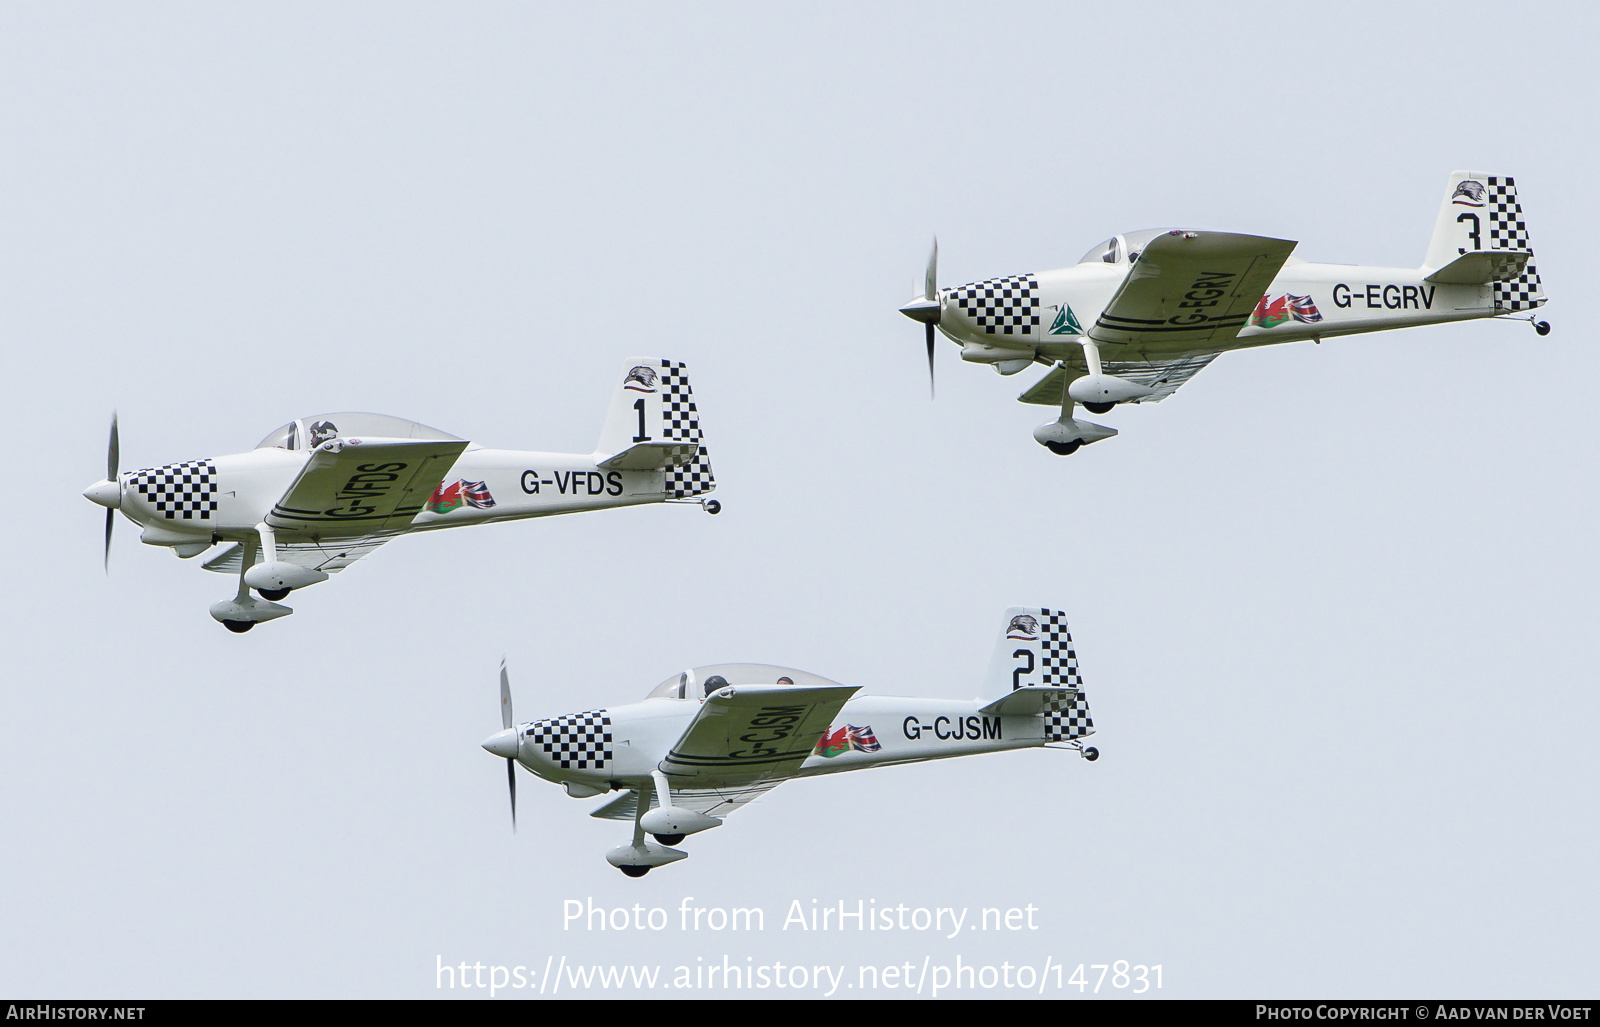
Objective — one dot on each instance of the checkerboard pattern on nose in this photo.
(1001, 306)
(186, 491)
(1058, 662)
(578, 741)
(1507, 231)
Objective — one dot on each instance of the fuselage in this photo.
(869, 731)
(483, 485)
(1304, 301)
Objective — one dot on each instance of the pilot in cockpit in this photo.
(715, 682)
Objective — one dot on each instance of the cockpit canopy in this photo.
(702, 681)
(311, 432)
(1121, 248)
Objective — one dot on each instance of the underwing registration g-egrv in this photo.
(321, 492)
(707, 741)
(1144, 312)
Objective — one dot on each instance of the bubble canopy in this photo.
(697, 682)
(1119, 247)
(310, 432)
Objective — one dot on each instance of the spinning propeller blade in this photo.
(925, 308)
(506, 722)
(113, 467)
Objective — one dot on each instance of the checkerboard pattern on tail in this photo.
(186, 491)
(1058, 663)
(1071, 721)
(578, 741)
(681, 423)
(1508, 231)
(692, 478)
(1003, 306)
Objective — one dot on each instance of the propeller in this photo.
(113, 468)
(507, 723)
(925, 308)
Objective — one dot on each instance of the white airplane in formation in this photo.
(320, 493)
(1161, 304)
(706, 741)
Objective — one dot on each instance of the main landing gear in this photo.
(633, 871)
(238, 627)
(273, 594)
(1098, 408)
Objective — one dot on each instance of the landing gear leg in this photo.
(640, 808)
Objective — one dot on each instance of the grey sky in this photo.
(1332, 603)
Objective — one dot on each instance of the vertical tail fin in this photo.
(1481, 213)
(653, 423)
(1035, 651)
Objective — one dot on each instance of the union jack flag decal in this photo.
(862, 739)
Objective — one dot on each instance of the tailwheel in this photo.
(1542, 327)
(1064, 448)
(238, 627)
(1091, 754)
(634, 871)
(669, 839)
(273, 594)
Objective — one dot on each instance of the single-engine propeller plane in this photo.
(1144, 312)
(709, 740)
(321, 492)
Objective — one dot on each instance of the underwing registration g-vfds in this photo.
(709, 740)
(321, 492)
(1144, 312)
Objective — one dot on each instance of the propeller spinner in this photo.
(925, 308)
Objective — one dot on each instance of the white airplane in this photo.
(1162, 303)
(706, 741)
(320, 493)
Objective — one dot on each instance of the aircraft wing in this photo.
(329, 557)
(1192, 289)
(715, 802)
(1163, 374)
(372, 488)
(744, 734)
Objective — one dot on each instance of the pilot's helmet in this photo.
(786, 680)
(715, 682)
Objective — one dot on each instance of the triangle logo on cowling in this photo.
(1065, 323)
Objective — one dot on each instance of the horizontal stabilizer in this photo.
(1029, 701)
(652, 456)
(1482, 267)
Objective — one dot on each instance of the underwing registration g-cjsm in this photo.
(709, 740)
(1144, 312)
(321, 492)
